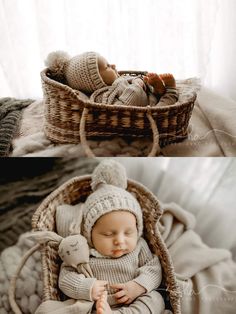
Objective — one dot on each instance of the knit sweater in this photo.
(122, 92)
(140, 266)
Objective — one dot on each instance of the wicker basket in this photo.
(68, 116)
(76, 190)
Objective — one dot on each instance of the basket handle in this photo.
(82, 133)
(155, 145)
(12, 285)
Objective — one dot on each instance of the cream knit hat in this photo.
(81, 72)
(109, 183)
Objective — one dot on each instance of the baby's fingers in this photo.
(118, 286)
(120, 294)
(104, 295)
(103, 283)
(98, 296)
(101, 289)
(123, 299)
(145, 78)
(128, 301)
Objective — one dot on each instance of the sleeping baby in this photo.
(90, 73)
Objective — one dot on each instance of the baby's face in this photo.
(115, 234)
(107, 71)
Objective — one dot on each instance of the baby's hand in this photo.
(98, 288)
(128, 291)
(156, 82)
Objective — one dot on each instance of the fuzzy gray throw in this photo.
(10, 115)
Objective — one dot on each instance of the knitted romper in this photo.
(121, 92)
(140, 266)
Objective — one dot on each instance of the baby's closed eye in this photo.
(107, 234)
(129, 232)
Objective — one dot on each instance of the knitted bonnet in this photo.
(81, 72)
(109, 183)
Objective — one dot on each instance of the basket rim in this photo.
(88, 103)
(68, 183)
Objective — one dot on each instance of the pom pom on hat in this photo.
(56, 62)
(109, 172)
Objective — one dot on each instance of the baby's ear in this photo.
(75, 226)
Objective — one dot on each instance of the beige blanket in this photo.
(207, 276)
(212, 129)
(212, 132)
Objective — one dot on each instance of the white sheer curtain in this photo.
(187, 37)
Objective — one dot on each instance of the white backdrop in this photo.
(187, 37)
(206, 187)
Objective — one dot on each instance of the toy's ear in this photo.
(65, 215)
(75, 226)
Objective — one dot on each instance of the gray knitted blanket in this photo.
(10, 115)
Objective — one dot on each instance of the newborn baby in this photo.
(92, 74)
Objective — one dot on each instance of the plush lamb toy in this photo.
(73, 249)
(74, 252)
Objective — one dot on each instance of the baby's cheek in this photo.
(133, 244)
(108, 244)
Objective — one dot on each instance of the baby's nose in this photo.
(113, 66)
(119, 239)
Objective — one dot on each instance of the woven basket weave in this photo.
(77, 190)
(70, 119)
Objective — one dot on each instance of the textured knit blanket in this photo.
(206, 276)
(10, 115)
